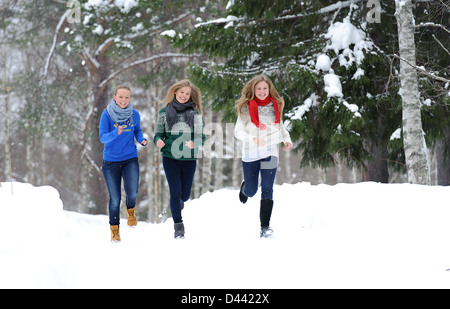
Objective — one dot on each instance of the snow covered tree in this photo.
(306, 48)
(335, 69)
(112, 37)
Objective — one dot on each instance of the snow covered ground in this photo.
(364, 235)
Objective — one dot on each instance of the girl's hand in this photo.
(160, 144)
(262, 126)
(119, 130)
(189, 144)
(144, 142)
(287, 146)
(259, 141)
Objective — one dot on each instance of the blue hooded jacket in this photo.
(120, 147)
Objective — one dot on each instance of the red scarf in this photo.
(253, 109)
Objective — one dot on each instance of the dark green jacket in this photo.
(176, 138)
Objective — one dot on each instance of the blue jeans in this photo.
(180, 175)
(268, 169)
(113, 173)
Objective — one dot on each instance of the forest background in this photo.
(61, 60)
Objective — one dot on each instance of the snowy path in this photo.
(363, 235)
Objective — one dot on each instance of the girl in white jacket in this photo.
(261, 130)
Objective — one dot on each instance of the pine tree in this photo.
(341, 98)
(283, 39)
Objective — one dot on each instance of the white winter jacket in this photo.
(246, 131)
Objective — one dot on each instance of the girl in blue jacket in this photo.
(120, 125)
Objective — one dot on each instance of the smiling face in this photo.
(262, 90)
(122, 97)
(183, 94)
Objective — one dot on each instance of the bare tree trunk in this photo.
(238, 175)
(154, 162)
(206, 157)
(219, 150)
(376, 165)
(29, 176)
(443, 159)
(8, 138)
(7, 167)
(287, 164)
(97, 183)
(237, 172)
(149, 171)
(413, 138)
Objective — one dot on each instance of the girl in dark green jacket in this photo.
(179, 135)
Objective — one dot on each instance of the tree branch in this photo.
(327, 9)
(55, 39)
(421, 25)
(105, 82)
(423, 71)
(439, 42)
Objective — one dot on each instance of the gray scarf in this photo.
(174, 107)
(118, 114)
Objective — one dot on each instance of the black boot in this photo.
(179, 230)
(242, 196)
(264, 215)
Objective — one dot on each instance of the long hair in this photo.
(196, 94)
(248, 94)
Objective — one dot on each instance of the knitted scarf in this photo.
(174, 107)
(253, 109)
(118, 114)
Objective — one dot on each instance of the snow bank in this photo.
(32, 229)
(364, 235)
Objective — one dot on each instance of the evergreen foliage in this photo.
(283, 40)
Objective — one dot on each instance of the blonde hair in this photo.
(248, 93)
(122, 87)
(196, 94)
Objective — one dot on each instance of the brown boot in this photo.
(115, 234)
(131, 217)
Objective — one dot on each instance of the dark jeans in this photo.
(113, 173)
(180, 175)
(268, 169)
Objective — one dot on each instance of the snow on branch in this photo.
(432, 25)
(157, 29)
(94, 63)
(55, 39)
(422, 70)
(91, 161)
(337, 6)
(229, 20)
(101, 49)
(142, 61)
